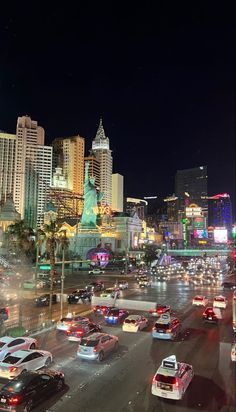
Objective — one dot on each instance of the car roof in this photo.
(6, 339)
(134, 317)
(21, 353)
(96, 335)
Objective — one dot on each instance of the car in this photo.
(101, 309)
(115, 316)
(79, 295)
(4, 314)
(30, 389)
(233, 352)
(64, 324)
(95, 286)
(166, 327)
(144, 282)
(211, 315)
(220, 302)
(123, 284)
(44, 300)
(200, 300)
(31, 284)
(172, 379)
(24, 360)
(97, 346)
(110, 293)
(228, 285)
(96, 271)
(162, 278)
(159, 310)
(134, 323)
(78, 331)
(10, 345)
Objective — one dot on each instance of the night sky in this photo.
(162, 78)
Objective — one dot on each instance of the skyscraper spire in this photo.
(100, 132)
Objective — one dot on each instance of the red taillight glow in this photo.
(153, 328)
(79, 332)
(12, 369)
(95, 349)
(15, 400)
(176, 384)
(168, 330)
(154, 379)
(68, 332)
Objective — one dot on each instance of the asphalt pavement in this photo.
(122, 382)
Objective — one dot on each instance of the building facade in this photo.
(68, 154)
(7, 164)
(220, 211)
(102, 152)
(117, 192)
(33, 170)
(172, 208)
(134, 205)
(191, 187)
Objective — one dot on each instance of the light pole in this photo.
(62, 281)
(126, 248)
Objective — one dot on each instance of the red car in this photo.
(210, 315)
(159, 310)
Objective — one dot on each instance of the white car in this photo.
(10, 345)
(233, 352)
(220, 302)
(172, 379)
(134, 323)
(96, 272)
(200, 300)
(24, 360)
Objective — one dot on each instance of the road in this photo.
(122, 382)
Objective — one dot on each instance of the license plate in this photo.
(3, 400)
(166, 387)
(160, 331)
(164, 394)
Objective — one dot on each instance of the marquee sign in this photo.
(102, 210)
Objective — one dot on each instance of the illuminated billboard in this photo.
(198, 222)
(220, 235)
(200, 233)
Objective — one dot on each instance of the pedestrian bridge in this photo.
(197, 252)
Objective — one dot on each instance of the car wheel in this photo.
(100, 356)
(32, 346)
(28, 406)
(60, 385)
(48, 362)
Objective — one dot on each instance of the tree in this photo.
(151, 254)
(20, 238)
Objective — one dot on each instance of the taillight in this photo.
(154, 379)
(177, 384)
(79, 332)
(68, 332)
(168, 330)
(153, 328)
(95, 349)
(15, 400)
(12, 369)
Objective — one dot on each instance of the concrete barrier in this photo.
(124, 303)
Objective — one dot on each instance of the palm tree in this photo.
(20, 237)
(52, 236)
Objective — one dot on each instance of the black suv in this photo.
(95, 287)
(44, 300)
(79, 294)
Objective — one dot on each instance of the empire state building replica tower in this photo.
(102, 152)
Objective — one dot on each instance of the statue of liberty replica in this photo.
(91, 199)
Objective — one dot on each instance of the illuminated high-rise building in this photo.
(101, 149)
(191, 187)
(68, 154)
(172, 208)
(7, 164)
(33, 171)
(220, 211)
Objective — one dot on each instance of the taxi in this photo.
(220, 302)
(172, 379)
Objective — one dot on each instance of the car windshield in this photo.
(113, 313)
(162, 326)
(90, 343)
(165, 379)
(198, 298)
(12, 360)
(16, 386)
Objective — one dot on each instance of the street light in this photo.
(62, 278)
